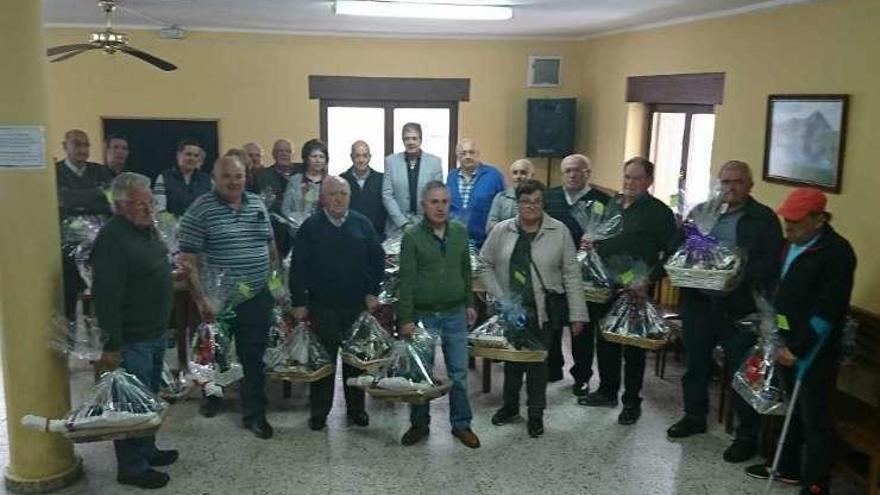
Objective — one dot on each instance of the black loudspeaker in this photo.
(550, 127)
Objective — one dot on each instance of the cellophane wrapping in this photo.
(633, 318)
(758, 380)
(78, 235)
(299, 351)
(79, 339)
(598, 222)
(367, 341)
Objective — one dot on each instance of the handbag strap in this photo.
(538, 272)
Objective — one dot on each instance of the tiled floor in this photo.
(584, 451)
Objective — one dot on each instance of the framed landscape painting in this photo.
(805, 140)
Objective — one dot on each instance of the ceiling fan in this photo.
(109, 41)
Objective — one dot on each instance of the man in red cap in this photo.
(812, 301)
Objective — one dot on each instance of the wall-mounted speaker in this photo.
(550, 127)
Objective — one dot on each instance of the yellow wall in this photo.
(257, 85)
(827, 47)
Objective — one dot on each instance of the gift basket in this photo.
(388, 293)
(77, 339)
(478, 266)
(758, 380)
(598, 222)
(298, 357)
(633, 319)
(173, 387)
(168, 228)
(213, 363)
(78, 235)
(368, 345)
(506, 336)
(408, 377)
(702, 262)
(116, 407)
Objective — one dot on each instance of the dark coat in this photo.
(368, 200)
(83, 195)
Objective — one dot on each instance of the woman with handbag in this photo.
(532, 257)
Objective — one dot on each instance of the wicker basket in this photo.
(698, 278)
(641, 342)
(370, 366)
(300, 376)
(410, 397)
(90, 435)
(508, 354)
(596, 294)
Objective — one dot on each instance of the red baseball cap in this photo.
(801, 202)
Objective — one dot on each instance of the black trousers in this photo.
(706, 322)
(73, 285)
(611, 356)
(331, 326)
(536, 384)
(581, 349)
(807, 448)
(251, 330)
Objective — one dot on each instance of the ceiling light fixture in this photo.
(423, 10)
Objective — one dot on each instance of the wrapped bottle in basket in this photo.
(368, 345)
(117, 406)
(506, 336)
(702, 262)
(758, 380)
(79, 339)
(409, 375)
(598, 222)
(633, 318)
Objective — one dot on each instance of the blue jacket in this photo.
(488, 182)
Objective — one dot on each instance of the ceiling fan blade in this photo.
(146, 57)
(70, 54)
(55, 50)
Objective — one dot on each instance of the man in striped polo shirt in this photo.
(229, 229)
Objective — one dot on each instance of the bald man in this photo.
(472, 187)
(366, 187)
(80, 186)
(255, 153)
(337, 266)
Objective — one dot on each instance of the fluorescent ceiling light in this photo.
(423, 10)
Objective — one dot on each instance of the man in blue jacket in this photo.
(472, 187)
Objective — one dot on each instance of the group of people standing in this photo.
(527, 237)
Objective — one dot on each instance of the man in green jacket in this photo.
(133, 297)
(435, 288)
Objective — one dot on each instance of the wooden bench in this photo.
(857, 402)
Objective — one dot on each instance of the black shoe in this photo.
(260, 428)
(163, 458)
(554, 377)
(740, 451)
(629, 415)
(535, 427)
(210, 406)
(149, 479)
(686, 426)
(414, 435)
(580, 389)
(317, 424)
(504, 416)
(360, 418)
(762, 472)
(597, 399)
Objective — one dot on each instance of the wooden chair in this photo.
(666, 297)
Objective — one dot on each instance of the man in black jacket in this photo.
(176, 188)
(335, 273)
(366, 187)
(575, 188)
(80, 185)
(811, 302)
(708, 316)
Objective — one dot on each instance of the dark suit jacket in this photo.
(82, 195)
(368, 200)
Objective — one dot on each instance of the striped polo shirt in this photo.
(234, 240)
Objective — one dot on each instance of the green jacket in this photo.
(435, 274)
(132, 284)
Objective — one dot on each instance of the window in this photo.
(374, 110)
(680, 146)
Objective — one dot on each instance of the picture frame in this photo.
(805, 140)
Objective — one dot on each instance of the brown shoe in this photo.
(467, 437)
(414, 434)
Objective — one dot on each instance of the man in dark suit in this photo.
(80, 184)
(559, 201)
(366, 187)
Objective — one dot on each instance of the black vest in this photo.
(179, 195)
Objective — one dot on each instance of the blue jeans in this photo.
(143, 360)
(451, 328)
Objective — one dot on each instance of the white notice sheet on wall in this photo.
(22, 146)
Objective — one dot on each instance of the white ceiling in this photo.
(532, 18)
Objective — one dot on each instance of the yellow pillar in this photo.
(36, 379)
